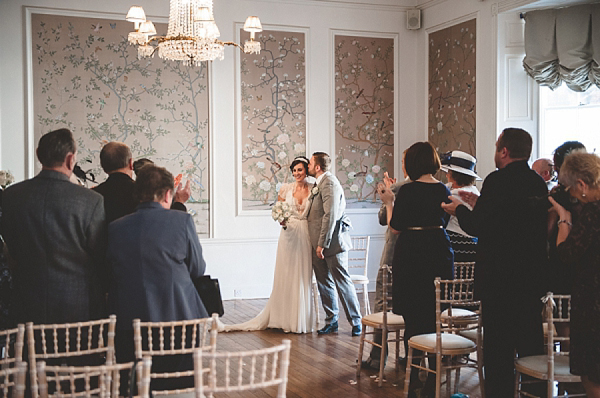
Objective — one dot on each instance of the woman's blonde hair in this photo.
(582, 166)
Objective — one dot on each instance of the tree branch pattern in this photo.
(88, 78)
(452, 88)
(273, 86)
(364, 115)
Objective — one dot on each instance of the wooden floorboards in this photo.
(320, 366)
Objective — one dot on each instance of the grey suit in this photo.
(328, 227)
(56, 233)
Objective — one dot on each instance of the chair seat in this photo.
(377, 319)
(460, 316)
(449, 342)
(538, 364)
(359, 279)
(470, 334)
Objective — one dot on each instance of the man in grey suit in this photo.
(328, 227)
(55, 232)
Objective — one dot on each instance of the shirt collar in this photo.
(320, 178)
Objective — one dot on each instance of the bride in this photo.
(290, 305)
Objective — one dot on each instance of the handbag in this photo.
(210, 294)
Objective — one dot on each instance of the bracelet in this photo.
(566, 222)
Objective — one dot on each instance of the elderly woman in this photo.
(423, 249)
(579, 244)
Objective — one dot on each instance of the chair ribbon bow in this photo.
(549, 296)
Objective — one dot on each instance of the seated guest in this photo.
(545, 168)
(55, 232)
(154, 255)
(460, 171)
(117, 162)
(578, 243)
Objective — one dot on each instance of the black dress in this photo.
(420, 255)
(582, 249)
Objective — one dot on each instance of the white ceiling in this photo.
(540, 4)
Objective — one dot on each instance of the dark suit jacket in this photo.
(118, 196)
(511, 226)
(119, 199)
(56, 233)
(154, 255)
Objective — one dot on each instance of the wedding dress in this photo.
(290, 304)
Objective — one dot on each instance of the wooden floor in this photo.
(321, 366)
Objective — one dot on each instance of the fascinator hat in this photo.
(459, 162)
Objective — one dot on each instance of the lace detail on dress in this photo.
(299, 208)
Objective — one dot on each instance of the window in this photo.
(566, 115)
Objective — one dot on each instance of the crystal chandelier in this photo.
(192, 36)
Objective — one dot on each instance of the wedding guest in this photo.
(55, 232)
(460, 171)
(423, 250)
(578, 243)
(545, 168)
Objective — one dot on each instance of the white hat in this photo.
(459, 162)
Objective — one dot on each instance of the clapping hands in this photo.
(182, 194)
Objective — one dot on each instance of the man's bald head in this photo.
(115, 157)
(544, 167)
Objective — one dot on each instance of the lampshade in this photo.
(136, 14)
(203, 14)
(147, 28)
(253, 25)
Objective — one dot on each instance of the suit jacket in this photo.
(154, 255)
(328, 225)
(511, 226)
(55, 232)
(387, 254)
(117, 191)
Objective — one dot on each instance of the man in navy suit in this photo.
(154, 255)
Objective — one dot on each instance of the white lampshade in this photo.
(253, 25)
(147, 28)
(203, 14)
(136, 14)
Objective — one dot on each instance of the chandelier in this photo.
(192, 36)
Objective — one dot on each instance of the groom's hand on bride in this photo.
(320, 252)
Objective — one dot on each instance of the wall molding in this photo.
(346, 4)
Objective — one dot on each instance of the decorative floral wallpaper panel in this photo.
(87, 78)
(273, 115)
(452, 88)
(364, 116)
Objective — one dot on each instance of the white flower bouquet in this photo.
(6, 178)
(281, 212)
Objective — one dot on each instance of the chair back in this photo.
(358, 256)
(12, 380)
(98, 381)
(386, 290)
(464, 270)
(557, 311)
(70, 340)
(457, 295)
(217, 372)
(11, 345)
(152, 339)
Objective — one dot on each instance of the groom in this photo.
(328, 228)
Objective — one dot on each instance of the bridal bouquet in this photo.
(281, 212)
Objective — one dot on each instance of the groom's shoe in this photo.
(356, 330)
(331, 328)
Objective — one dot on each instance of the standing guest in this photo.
(565, 149)
(154, 256)
(138, 164)
(460, 171)
(56, 234)
(423, 250)
(545, 168)
(511, 258)
(578, 243)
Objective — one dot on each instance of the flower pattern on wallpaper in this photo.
(273, 126)
(87, 78)
(452, 88)
(364, 115)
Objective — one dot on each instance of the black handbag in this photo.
(210, 294)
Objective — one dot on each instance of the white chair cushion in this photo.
(457, 313)
(359, 279)
(392, 319)
(470, 334)
(539, 364)
(449, 341)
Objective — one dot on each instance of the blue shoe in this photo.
(356, 330)
(331, 328)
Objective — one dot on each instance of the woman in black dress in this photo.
(423, 251)
(578, 244)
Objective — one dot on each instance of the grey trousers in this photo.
(332, 274)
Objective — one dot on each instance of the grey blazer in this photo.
(390, 238)
(55, 232)
(328, 225)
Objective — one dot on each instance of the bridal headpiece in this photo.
(299, 159)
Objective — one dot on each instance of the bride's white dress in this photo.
(290, 304)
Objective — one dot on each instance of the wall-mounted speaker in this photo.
(413, 19)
